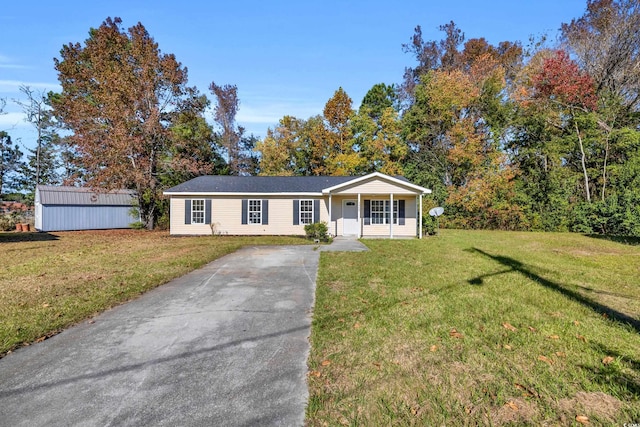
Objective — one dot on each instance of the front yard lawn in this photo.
(478, 328)
(51, 281)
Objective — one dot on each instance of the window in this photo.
(197, 212)
(255, 211)
(306, 211)
(380, 212)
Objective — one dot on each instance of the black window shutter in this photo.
(367, 212)
(296, 212)
(187, 211)
(265, 212)
(400, 212)
(207, 211)
(316, 211)
(245, 210)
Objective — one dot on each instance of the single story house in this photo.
(374, 205)
(60, 208)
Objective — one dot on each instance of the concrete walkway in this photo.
(344, 244)
(223, 345)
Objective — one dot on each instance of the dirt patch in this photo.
(516, 410)
(599, 405)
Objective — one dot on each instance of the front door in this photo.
(349, 218)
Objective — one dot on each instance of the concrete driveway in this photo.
(223, 345)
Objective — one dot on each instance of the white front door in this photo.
(349, 218)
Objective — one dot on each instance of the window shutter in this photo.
(296, 212)
(367, 212)
(316, 211)
(245, 210)
(187, 211)
(207, 211)
(400, 212)
(265, 212)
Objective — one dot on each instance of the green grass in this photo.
(477, 328)
(51, 281)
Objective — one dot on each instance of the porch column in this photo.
(421, 215)
(333, 230)
(359, 223)
(391, 216)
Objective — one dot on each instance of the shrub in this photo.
(318, 230)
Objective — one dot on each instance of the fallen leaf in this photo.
(341, 320)
(582, 419)
(357, 326)
(377, 365)
(325, 363)
(414, 410)
(553, 337)
(561, 354)
(607, 360)
(510, 327)
(512, 405)
(41, 339)
(532, 329)
(507, 347)
(575, 322)
(45, 305)
(315, 374)
(433, 348)
(455, 334)
(527, 391)
(581, 338)
(545, 360)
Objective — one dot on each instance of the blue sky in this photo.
(285, 57)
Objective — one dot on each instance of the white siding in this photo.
(226, 217)
(375, 230)
(375, 186)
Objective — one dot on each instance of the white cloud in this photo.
(6, 62)
(14, 85)
(12, 120)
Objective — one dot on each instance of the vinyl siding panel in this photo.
(376, 186)
(409, 229)
(68, 218)
(226, 217)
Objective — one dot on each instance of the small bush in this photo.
(318, 230)
(138, 225)
(8, 222)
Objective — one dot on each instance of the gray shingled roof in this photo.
(261, 184)
(54, 195)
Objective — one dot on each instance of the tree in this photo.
(565, 86)
(10, 156)
(225, 111)
(120, 98)
(341, 159)
(38, 112)
(605, 42)
(41, 167)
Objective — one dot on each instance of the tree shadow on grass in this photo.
(627, 240)
(517, 266)
(27, 237)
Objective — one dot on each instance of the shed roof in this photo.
(267, 184)
(65, 195)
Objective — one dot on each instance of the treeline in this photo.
(508, 137)
(537, 137)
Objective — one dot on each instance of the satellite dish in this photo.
(436, 211)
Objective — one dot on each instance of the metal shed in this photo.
(80, 208)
